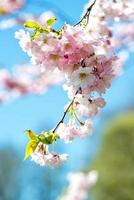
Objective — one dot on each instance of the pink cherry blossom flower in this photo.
(27, 79)
(87, 107)
(64, 53)
(79, 184)
(72, 131)
(82, 77)
(43, 157)
(8, 6)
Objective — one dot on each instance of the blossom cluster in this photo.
(79, 184)
(43, 157)
(121, 13)
(20, 19)
(8, 6)
(84, 53)
(26, 79)
(125, 35)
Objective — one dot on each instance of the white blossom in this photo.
(43, 157)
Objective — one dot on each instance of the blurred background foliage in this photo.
(9, 164)
(115, 160)
(20, 182)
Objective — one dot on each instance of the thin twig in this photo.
(64, 114)
(81, 123)
(86, 15)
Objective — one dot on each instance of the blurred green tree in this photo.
(115, 161)
(9, 163)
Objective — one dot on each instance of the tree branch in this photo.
(86, 15)
(65, 112)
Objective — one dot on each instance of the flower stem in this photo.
(78, 119)
(65, 112)
(54, 146)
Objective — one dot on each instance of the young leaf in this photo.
(56, 136)
(71, 112)
(46, 138)
(35, 34)
(30, 148)
(51, 21)
(42, 137)
(31, 24)
(49, 139)
(31, 135)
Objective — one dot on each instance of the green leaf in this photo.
(42, 137)
(56, 136)
(49, 139)
(31, 135)
(52, 137)
(51, 21)
(35, 34)
(31, 24)
(30, 148)
(71, 112)
(46, 138)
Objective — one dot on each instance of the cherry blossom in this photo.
(68, 132)
(79, 184)
(26, 79)
(86, 107)
(8, 6)
(20, 19)
(43, 157)
(86, 54)
(64, 53)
